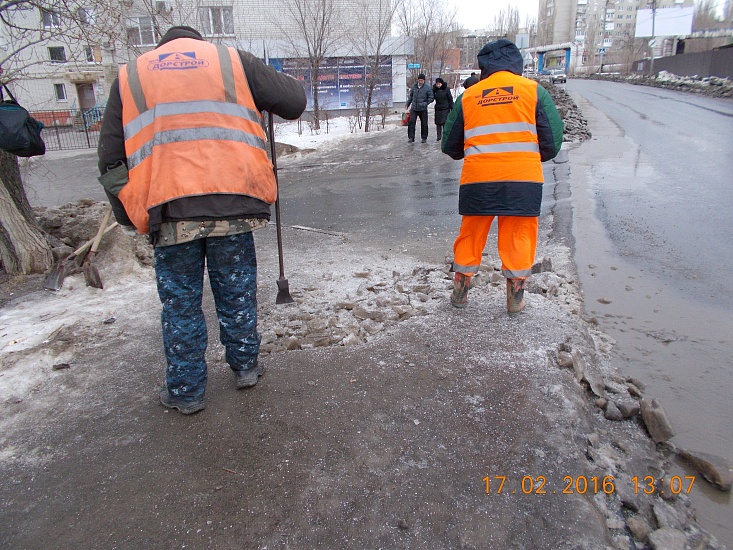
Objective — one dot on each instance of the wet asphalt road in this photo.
(652, 211)
(380, 188)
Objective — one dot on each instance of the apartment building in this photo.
(67, 68)
(603, 31)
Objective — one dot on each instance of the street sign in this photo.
(413, 65)
(601, 50)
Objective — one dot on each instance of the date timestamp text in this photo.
(539, 485)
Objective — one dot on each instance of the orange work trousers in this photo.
(517, 244)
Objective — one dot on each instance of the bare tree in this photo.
(28, 25)
(431, 24)
(320, 28)
(706, 16)
(506, 23)
(373, 26)
(630, 48)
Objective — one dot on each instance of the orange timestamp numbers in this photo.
(571, 485)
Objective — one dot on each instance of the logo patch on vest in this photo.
(497, 96)
(176, 61)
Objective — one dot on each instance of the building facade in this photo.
(602, 31)
(66, 69)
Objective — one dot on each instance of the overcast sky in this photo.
(480, 14)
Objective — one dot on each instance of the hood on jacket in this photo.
(501, 55)
(180, 32)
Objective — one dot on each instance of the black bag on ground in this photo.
(20, 133)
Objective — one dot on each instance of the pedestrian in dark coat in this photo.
(443, 105)
(421, 95)
(470, 81)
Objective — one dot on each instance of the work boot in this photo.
(184, 406)
(248, 378)
(514, 296)
(459, 297)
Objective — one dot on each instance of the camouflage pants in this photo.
(179, 269)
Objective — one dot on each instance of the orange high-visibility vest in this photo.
(500, 132)
(191, 128)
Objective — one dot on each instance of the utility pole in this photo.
(602, 49)
(652, 41)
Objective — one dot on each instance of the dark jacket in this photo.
(274, 92)
(470, 81)
(420, 98)
(505, 198)
(443, 102)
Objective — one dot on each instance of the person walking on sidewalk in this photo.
(504, 127)
(183, 159)
(470, 81)
(420, 97)
(443, 105)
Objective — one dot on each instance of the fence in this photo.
(702, 64)
(73, 129)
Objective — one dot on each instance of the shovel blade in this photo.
(91, 274)
(283, 292)
(55, 278)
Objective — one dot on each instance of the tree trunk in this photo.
(10, 176)
(23, 248)
(315, 70)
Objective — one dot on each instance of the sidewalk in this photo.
(379, 428)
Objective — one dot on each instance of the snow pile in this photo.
(711, 85)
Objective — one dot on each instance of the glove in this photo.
(129, 230)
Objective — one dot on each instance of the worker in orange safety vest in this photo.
(503, 127)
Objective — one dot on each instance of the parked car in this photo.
(558, 75)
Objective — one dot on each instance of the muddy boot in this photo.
(459, 297)
(514, 296)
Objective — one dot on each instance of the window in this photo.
(93, 54)
(50, 19)
(217, 20)
(85, 15)
(57, 54)
(140, 31)
(60, 90)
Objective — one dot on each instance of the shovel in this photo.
(62, 268)
(91, 274)
(283, 290)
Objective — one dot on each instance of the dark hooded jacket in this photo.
(420, 97)
(274, 92)
(443, 101)
(470, 81)
(496, 60)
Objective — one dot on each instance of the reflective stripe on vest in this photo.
(190, 134)
(500, 132)
(191, 128)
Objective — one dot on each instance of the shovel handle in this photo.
(100, 231)
(278, 223)
(89, 243)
